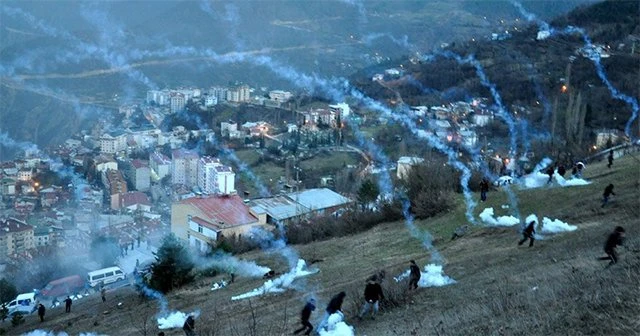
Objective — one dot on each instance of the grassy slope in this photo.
(494, 295)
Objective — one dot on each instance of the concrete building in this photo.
(226, 215)
(239, 94)
(160, 165)
(177, 102)
(280, 96)
(140, 175)
(25, 175)
(113, 142)
(114, 182)
(219, 92)
(404, 165)
(104, 162)
(214, 177)
(184, 167)
(16, 237)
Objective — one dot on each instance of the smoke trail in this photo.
(484, 80)
(594, 57)
(402, 42)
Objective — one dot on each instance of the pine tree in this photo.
(173, 266)
(367, 193)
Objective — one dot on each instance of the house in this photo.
(132, 201)
(404, 165)
(225, 215)
(481, 118)
(607, 136)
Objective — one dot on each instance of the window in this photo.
(109, 274)
(98, 277)
(200, 228)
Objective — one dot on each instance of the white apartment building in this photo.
(160, 165)
(280, 96)
(178, 102)
(225, 180)
(239, 94)
(207, 174)
(219, 92)
(113, 143)
(184, 167)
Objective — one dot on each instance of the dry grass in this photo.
(555, 288)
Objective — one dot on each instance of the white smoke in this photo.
(555, 226)
(433, 276)
(175, 319)
(232, 264)
(488, 218)
(570, 182)
(534, 180)
(336, 326)
(39, 332)
(532, 218)
(281, 283)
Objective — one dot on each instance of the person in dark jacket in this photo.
(615, 239)
(304, 317)
(610, 159)
(608, 191)
(372, 295)
(550, 171)
(484, 188)
(67, 305)
(414, 275)
(334, 306)
(528, 233)
(189, 326)
(562, 170)
(41, 311)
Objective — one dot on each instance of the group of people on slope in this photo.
(373, 294)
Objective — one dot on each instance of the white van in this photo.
(24, 303)
(105, 276)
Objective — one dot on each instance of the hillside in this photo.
(555, 287)
(519, 63)
(314, 37)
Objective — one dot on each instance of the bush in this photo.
(173, 266)
(430, 188)
(349, 223)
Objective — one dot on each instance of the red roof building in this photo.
(225, 214)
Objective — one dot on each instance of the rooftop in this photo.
(182, 153)
(137, 163)
(229, 210)
(134, 197)
(13, 225)
(317, 199)
(279, 207)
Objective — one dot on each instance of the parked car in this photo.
(105, 276)
(64, 286)
(24, 303)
